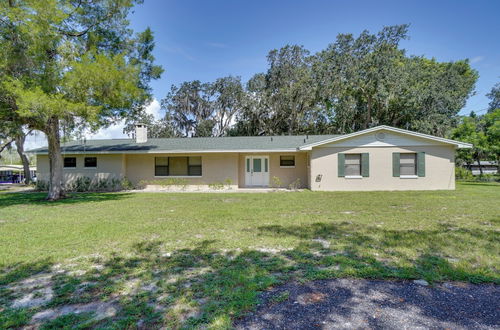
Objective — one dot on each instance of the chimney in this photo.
(141, 133)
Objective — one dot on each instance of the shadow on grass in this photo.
(359, 244)
(204, 287)
(39, 199)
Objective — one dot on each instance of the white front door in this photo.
(257, 171)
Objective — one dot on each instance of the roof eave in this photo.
(173, 151)
(457, 144)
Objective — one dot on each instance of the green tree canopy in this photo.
(72, 65)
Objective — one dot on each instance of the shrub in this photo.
(463, 174)
(277, 182)
(228, 182)
(294, 185)
(86, 184)
(126, 184)
(488, 178)
(81, 184)
(41, 185)
(216, 185)
(169, 182)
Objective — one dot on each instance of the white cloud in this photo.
(476, 59)
(111, 132)
(154, 108)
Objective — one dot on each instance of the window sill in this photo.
(90, 168)
(287, 166)
(408, 176)
(69, 168)
(177, 176)
(353, 177)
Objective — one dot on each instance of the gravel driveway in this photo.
(355, 304)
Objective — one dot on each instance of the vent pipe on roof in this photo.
(141, 133)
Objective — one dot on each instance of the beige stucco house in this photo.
(379, 158)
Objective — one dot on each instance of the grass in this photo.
(190, 260)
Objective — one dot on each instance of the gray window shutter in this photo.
(421, 164)
(341, 164)
(365, 164)
(395, 164)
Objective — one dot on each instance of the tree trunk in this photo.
(368, 112)
(26, 163)
(55, 160)
(480, 167)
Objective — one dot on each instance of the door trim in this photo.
(249, 160)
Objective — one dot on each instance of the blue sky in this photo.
(205, 40)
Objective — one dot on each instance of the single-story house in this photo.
(378, 158)
(488, 167)
(14, 173)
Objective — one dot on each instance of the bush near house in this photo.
(200, 260)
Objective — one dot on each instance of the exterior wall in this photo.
(286, 175)
(108, 167)
(439, 168)
(216, 168)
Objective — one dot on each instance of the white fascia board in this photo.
(458, 144)
(174, 151)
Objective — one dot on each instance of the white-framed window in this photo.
(69, 162)
(178, 166)
(408, 164)
(90, 162)
(287, 161)
(352, 167)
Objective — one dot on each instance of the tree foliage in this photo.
(355, 83)
(494, 96)
(72, 65)
(484, 133)
(203, 109)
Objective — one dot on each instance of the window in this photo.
(90, 162)
(408, 164)
(161, 166)
(352, 165)
(178, 166)
(69, 162)
(194, 166)
(287, 161)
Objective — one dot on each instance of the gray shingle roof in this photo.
(223, 144)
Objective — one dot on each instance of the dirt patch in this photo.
(311, 298)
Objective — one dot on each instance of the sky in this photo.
(205, 40)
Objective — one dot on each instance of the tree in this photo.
(368, 81)
(494, 96)
(432, 95)
(203, 109)
(283, 99)
(358, 78)
(228, 99)
(492, 128)
(189, 110)
(70, 65)
(484, 133)
(469, 131)
(156, 128)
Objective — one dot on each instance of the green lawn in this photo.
(208, 255)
